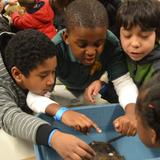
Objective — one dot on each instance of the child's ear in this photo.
(65, 37)
(153, 137)
(16, 74)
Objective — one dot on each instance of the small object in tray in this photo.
(105, 151)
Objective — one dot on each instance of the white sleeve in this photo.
(38, 103)
(126, 90)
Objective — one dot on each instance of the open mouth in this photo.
(89, 61)
(135, 54)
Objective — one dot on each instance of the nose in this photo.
(50, 80)
(135, 43)
(91, 51)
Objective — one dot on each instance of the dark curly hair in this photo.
(144, 13)
(85, 13)
(148, 104)
(27, 49)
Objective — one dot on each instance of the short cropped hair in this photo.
(28, 49)
(85, 13)
(144, 13)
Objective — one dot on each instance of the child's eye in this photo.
(82, 44)
(98, 44)
(144, 36)
(42, 76)
(127, 35)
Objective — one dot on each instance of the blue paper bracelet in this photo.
(50, 136)
(59, 113)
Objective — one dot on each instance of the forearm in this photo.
(41, 104)
(52, 109)
(126, 90)
(20, 124)
(130, 109)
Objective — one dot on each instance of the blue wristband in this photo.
(50, 136)
(59, 113)
(5, 2)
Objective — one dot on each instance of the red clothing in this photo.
(41, 20)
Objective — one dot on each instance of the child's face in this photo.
(145, 133)
(41, 79)
(86, 43)
(137, 43)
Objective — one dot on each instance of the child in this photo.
(39, 15)
(86, 50)
(139, 27)
(148, 113)
(28, 63)
(3, 3)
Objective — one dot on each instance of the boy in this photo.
(86, 50)
(139, 36)
(25, 66)
(39, 15)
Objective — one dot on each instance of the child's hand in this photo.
(79, 121)
(92, 90)
(127, 124)
(70, 147)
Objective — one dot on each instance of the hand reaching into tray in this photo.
(79, 121)
(70, 147)
(127, 124)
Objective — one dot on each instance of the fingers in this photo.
(117, 126)
(88, 150)
(89, 96)
(87, 123)
(96, 127)
(85, 126)
(82, 152)
(92, 91)
(125, 126)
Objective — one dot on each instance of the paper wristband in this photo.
(50, 136)
(59, 113)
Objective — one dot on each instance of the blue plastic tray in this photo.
(130, 147)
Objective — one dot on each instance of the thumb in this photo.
(116, 124)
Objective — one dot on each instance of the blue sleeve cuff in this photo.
(50, 137)
(59, 113)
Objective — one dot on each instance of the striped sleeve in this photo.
(16, 122)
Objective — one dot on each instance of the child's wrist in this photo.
(50, 137)
(60, 113)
